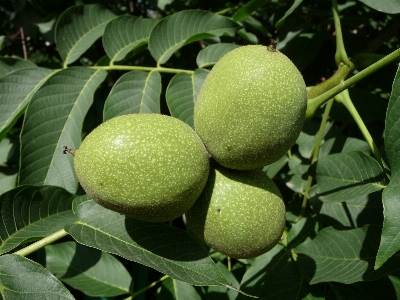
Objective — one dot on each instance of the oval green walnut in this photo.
(239, 213)
(148, 166)
(251, 107)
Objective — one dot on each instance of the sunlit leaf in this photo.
(211, 54)
(124, 34)
(385, 6)
(16, 90)
(21, 278)
(275, 167)
(54, 119)
(343, 255)
(185, 27)
(352, 213)
(78, 28)
(134, 92)
(29, 213)
(390, 240)
(89, 270)
(182, 93)
(167, 249)
(346, 176)
(11, 64)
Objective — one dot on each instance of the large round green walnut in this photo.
(239, 213)
(148, 166)
(251, 107)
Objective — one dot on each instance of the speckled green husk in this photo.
(148, 166)
(251, 107)
(240, 213)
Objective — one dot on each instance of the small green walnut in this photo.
(251, 107)
(148, 166)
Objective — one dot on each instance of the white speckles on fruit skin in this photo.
(149, 166)
(251, 107)
(240, 213)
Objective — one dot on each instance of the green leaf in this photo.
(392, 127)
(387, 287)
(30, 213)
(182, 93)
(219, 292)
(8, 178)
(209, 56)
(304, 48)
(283, 282)
(281, 21)
(247, 9)
(341, 292)
(21, 278)
(185, 27)
(16, 90)
(390, 240)
(8, 164)
(262, 270)
(344, 256)
(248, 36)
(89, 270)
(353, 213)
(78, 28)
(54, 119)
(11, 64)
(308, 137)
(275, 167)
(124, 34)
(175, 289)
(134, 92)
(345, 176)
(167, 249)
(300, 231)
(385, 6)
(341, 144)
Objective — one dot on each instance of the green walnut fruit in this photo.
(239, 213)
(251, 107)
(148, 166)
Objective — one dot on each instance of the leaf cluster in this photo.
(65, 69)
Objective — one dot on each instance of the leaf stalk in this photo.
(42, 243)
(314, 103)
(140, 68)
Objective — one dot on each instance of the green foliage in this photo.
(66, 68)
